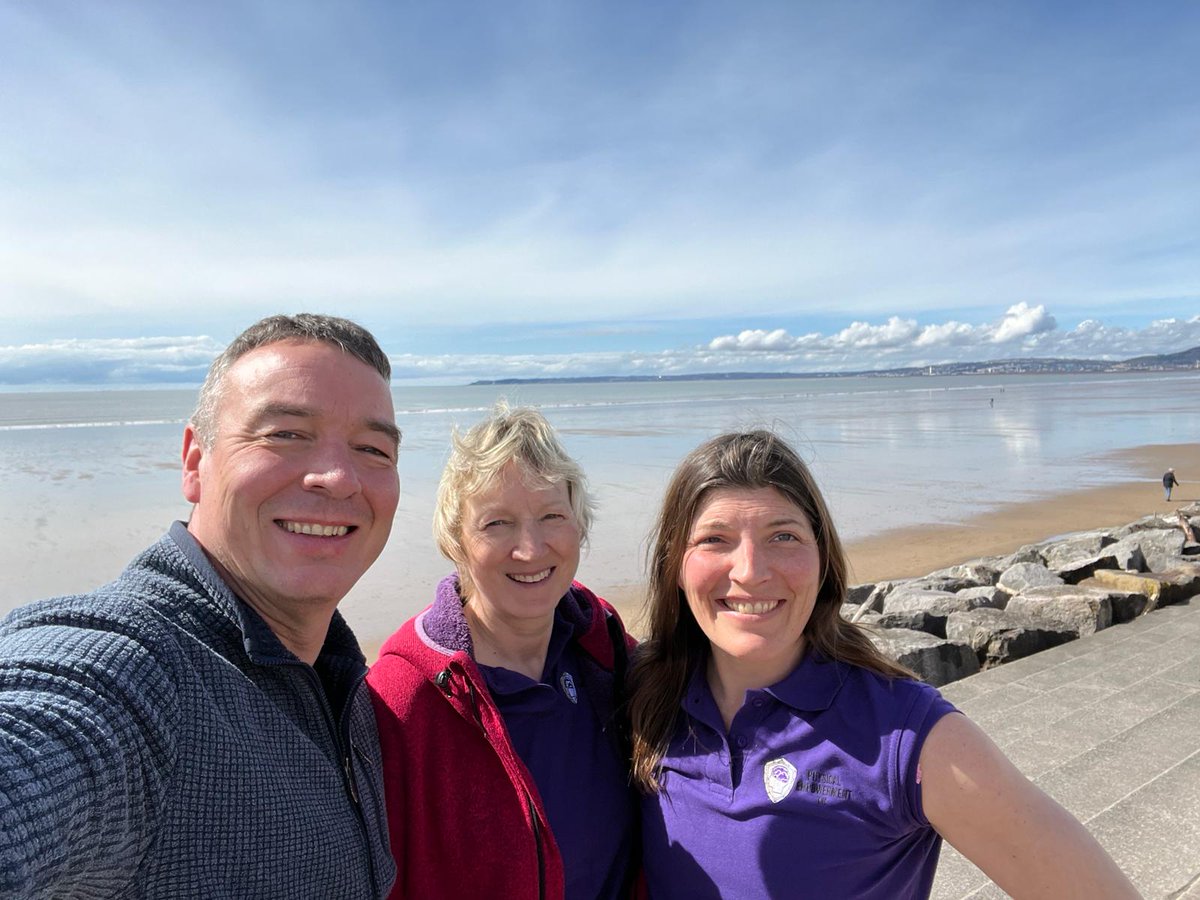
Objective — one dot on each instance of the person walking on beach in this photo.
(1169, 482)
(200, 727)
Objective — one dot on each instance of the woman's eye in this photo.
(786, 536)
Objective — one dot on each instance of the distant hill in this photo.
(1163, 362)
(1184, 359)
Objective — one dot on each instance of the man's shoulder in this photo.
(98, 629)
(139, 614)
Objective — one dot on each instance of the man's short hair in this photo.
(347, 336)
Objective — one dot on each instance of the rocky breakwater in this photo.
(954, 622)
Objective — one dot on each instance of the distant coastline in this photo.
(1164, 362)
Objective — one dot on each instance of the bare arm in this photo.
(995, 817)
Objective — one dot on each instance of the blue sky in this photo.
(535, 188)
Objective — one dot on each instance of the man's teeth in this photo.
(532, 579)
(319, 530)
(752, 607)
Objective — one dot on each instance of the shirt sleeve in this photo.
(87, 724)
(925, 710)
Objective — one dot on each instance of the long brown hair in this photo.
(676, 645)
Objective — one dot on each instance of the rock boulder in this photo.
(936, 661)
(1020, 577)
(998, 636)
(1081, 609)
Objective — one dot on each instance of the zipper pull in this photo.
(350, 780)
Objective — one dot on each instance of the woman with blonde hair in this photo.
(779, 753)
(505, 771)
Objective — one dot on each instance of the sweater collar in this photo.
(261, 644)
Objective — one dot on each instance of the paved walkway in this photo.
(1108, 725)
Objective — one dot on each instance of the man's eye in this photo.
(375, 451)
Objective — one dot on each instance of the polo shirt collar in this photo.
(813, 685)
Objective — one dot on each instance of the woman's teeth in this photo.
(751, 607)
(532, 579)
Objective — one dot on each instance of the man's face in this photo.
(294, 499)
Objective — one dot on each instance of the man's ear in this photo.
(193, 453)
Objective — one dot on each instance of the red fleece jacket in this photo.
(464, 816)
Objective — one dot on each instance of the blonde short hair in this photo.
(522, 436)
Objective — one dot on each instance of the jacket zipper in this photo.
(537, 842)
(343, 749)
(443, 681)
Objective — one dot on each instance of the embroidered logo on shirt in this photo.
(568, 687)
(779, 776)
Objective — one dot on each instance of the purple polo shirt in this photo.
(813, 793)
(582, 781)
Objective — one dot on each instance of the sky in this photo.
(528, 189)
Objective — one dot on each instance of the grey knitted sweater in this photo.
(157, 740)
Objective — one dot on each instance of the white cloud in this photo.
(948, 333)
(860, 346)
(896, 332)
(1021, 321)
(1023, 330)
(756, 339)
(109, 361)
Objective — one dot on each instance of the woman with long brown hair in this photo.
(780, 754)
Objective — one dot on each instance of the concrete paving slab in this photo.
(1154, 834)
(1101, 777)
(1186, 672)
(1109, 725)
(1036, 715)
(957, 878)
(988, 892)
(1066, 672)
(995, 702)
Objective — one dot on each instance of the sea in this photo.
(88, 477)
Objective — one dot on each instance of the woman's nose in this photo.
(749, 563)
(529, 540)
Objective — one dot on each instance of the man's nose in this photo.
(332, 470)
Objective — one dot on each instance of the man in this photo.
(1169, 482)
(199, 728)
